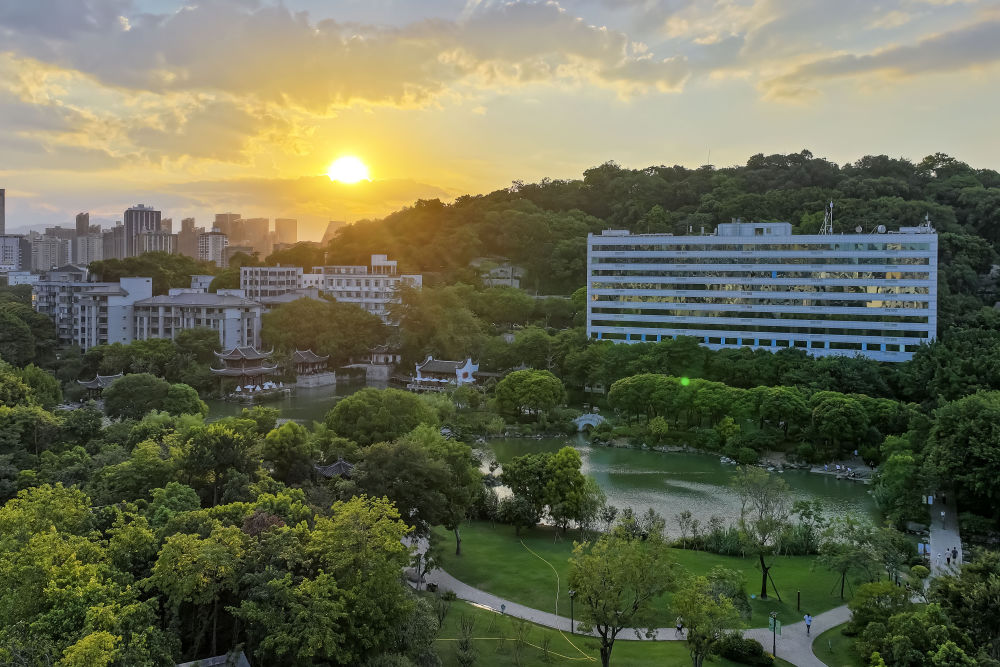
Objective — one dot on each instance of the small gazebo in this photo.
(100, 382)
(308, 362)
(339, 468)
(245, 364)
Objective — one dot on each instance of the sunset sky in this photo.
(242, 105)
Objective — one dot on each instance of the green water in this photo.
(674, 481)
(667, 482)
(305, 404)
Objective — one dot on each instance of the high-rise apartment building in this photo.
(15, 253)
(256, 234)
(167, 225)
(114, 242)
(156, 242)
(286, 229)
(212, 247)
(89, 248)
(60, 232)
(139, 219)
(3, 211)
(187, 238)
(224, 222)
(49, 252)
(82, 224)
(103, 313)
(758, 285)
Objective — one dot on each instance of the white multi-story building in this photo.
(268, 281)
(59, 295)
(48, 252)
(15, 253)
(758, 285)
(212, 247)
(102, 313)
(159, 241)
(89, 248)
(235, 318)
(372, 288)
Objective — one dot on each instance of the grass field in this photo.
(494, 560)
(563, 649)
(836, 650)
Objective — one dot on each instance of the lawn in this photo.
(563, 648)
(494, 560)
(836, 650)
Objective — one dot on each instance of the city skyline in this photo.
(199, 108)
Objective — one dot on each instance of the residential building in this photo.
(3, 212)
(113, 242)
(256, 234)
(235, 318)
(224, 222)
(187, 238)
(15, 253)
(139, 219)
(102, 312)
(372, 287)
(48, 252)
(82, 224)
(60, 232)
(269, 281)
(22, 277)
(759, 285)
(212, 247)
(286, 229)
(156, 242)
(167, 225)
(89, 248)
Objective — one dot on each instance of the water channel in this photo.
(667, 482)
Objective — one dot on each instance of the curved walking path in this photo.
(792, 644)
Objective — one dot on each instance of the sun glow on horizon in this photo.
(348, 169)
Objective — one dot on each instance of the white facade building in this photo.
(22, 278)
(372, 288)
(48, 252)
(269, 281)
(758, 285)
(212, 247)
(89, 248)
(102, 312)
(235, 318)
(15, 253)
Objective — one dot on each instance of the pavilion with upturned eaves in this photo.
(307, 362)
(98, 384)
(245, 365)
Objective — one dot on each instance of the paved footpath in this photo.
(944, 536)
(792, 645)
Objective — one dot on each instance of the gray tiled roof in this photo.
(197, 299)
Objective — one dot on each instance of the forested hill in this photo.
(543, 226)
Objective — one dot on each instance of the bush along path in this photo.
(792, 644)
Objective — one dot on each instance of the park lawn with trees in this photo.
(489, 624)
(836, 649)
(494, 560)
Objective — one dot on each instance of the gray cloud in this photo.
(974, 45)
(276, 55)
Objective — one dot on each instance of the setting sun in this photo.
(348, 169)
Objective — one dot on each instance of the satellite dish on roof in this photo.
(880, 229)
(858, 229)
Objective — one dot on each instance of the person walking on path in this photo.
(679, 632)
(954, 555)
(947, 558)
(942, 518)
(809, 621)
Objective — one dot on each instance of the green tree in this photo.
(962, 450)
(341, 330)
(846, 546)
(971, 600)
(198, 343)
(183, 400)
(214, 455)
(706, 615)
(132, 396)
(378, 415)
(17, 344)
(45, 388)
(764, 510)
(289, 450)
(529, 392)
(616, 580)
(526, 476)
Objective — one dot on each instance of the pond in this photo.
(672, 482)
(668, 482)
(305, 405)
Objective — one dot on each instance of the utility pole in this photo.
(572, 624)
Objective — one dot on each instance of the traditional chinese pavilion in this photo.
(308, 362)
(98, 384)
(339, 468)
(246, 365)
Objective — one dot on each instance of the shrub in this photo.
(734, 646)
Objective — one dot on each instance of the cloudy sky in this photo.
(215, 105)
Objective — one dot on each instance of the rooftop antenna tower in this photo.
(827, 227)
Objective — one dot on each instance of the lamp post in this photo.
(774, 630)
(572, 624)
